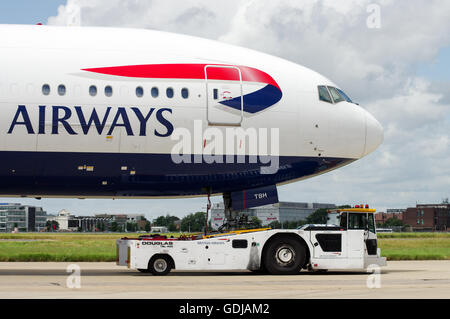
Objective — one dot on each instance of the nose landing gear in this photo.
(233, 219)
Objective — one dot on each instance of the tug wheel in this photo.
(285, 256)
(159, 265)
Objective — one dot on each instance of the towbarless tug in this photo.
(347, 242)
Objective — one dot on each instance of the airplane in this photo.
(92, 112)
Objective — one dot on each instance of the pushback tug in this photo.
(347, 242)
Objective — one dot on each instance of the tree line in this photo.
(194, 222)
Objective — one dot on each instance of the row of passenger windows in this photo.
(108, 91)
(332, 95)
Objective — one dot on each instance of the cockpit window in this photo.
(345, 96)
(335, 94)
(332, 95)
(324, 95)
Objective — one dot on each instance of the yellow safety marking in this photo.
(236, 232)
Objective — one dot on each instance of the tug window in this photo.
(184, 93)
(155, 92)
(371, 223)
(108, 91)
(46, 89)
(343, 220)
(324, 95)
(357, 221)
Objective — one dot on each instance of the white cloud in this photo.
(334, 39)
(375, 66)
(412, 107)
(331, 37)
(196, 17)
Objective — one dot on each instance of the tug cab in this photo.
(357, 218)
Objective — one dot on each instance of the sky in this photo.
(392, 57)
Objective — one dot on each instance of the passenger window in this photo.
(108, 91)
(335, 94)
(139, 92)
(324, 95)
(46, 89)
(155, 92)
(92, 90)
(61, 90)
(185, 93)
(169, 93)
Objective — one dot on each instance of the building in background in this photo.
(99, 222)
(122, 222)
(159, 229)
(64, 220)
(133, 218)
(281, 212)
(34, 219)
(381, 217)
(93, 223)
(23, 217)
(428, 217)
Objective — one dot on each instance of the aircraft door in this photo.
(224, 95)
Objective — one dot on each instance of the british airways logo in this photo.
(253, 102)
(63, 118)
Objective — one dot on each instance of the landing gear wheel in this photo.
(285, 256)
(159, 266)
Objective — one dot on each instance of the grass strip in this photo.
(78, 247)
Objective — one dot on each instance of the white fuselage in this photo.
(58, 138)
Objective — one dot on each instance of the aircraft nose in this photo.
(374, 134)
